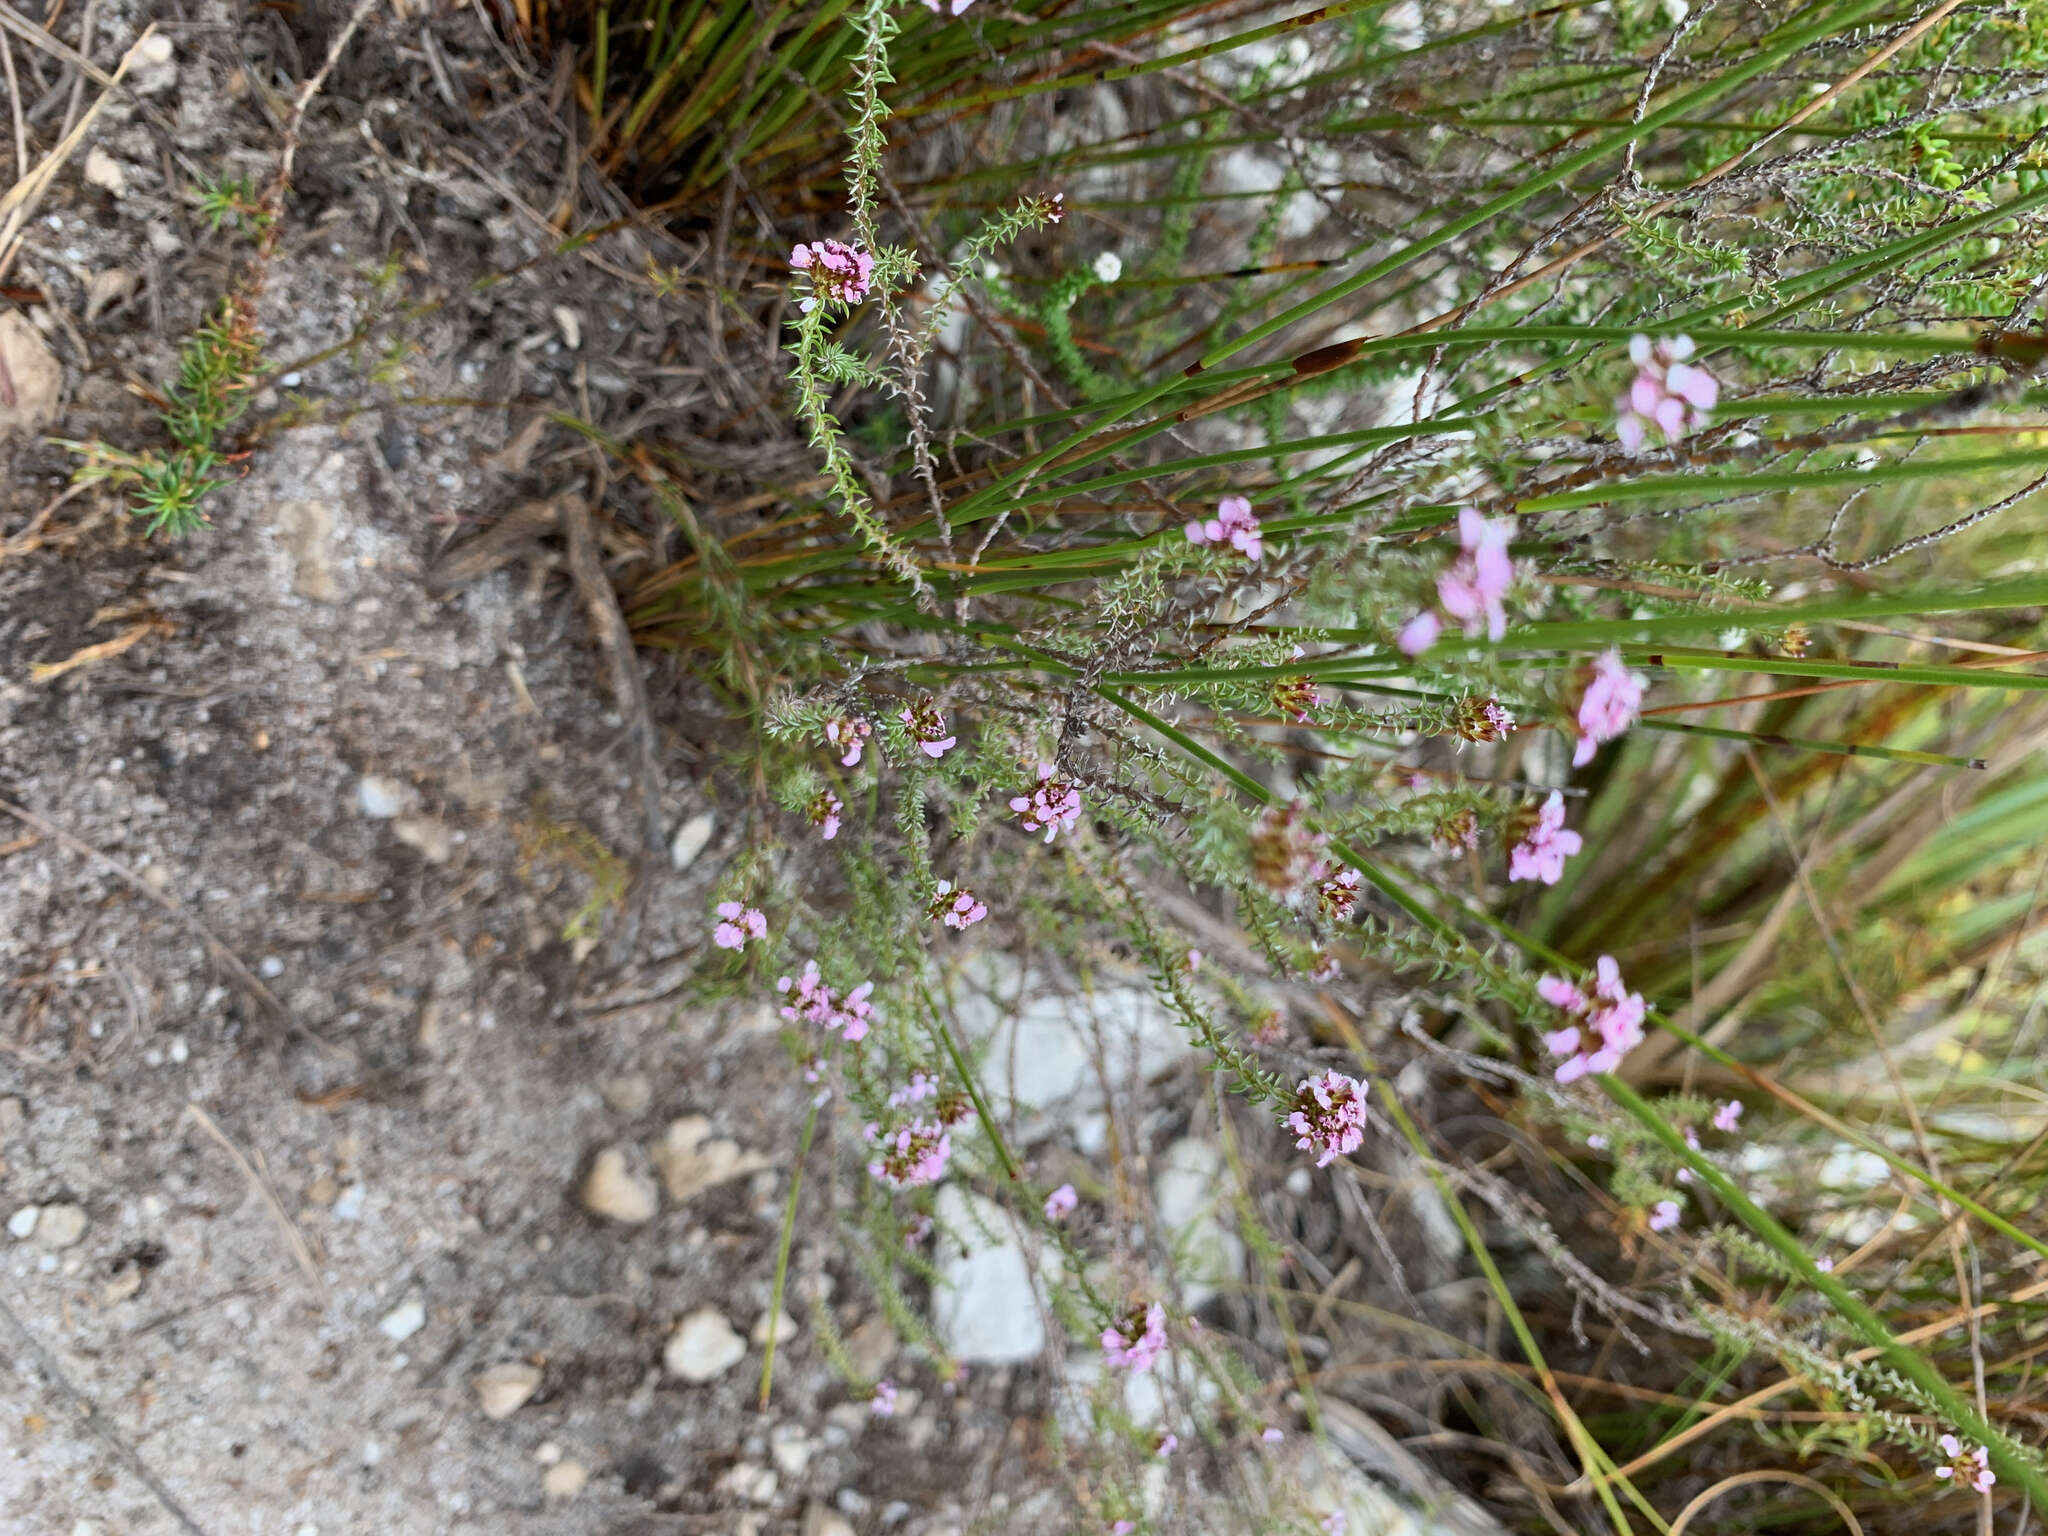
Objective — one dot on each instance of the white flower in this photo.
(1674, 11)
(1108, 267)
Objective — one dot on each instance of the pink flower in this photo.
(1053, 804)
(1669, 393)
(1194, 961)
(1295, 697)
(1665, 1216)
(848, 732)
(927, 727)
(1727, 1116)
(1596, 1141)
(1541, 853)
(1061, 1202)
(812, 1002)
(1328, 1116)
(1419, 633)
(739, 923)
(1325, 966)
(1600, 1028)
(1609, 706)
(1482, 719)
(825, 810)
(1337, 892)
(1168, 1444)
(1971, 1466)
(1825, 1264)
(1233, 524)
(1335, 1522)
(913, 1153)
(1472, 589)
(1122, 1528)
(959, 908)
(1271, 1435)
(884, 1401)
(1136, 1341)
(922, 1085)
(840, 274)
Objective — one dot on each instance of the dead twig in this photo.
(260, 1182)
(608, 624)
(97, 1422)
(265, 999)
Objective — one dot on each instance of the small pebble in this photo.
(23, 1222)
(350, 1206)
(102, 170)
(60, 1226)
(547, 1453)
(180, 1051)
(785, 1329)
(564, 1480)
(379, 798)
(690, 840)
(703, 1346)
(271, 968)
(403, 1321)
(503, 1390)
(614, 1191)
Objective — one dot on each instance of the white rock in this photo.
(380, 798)
(504, 1389)
(270, 967)
(691, 839)
(614, 1191)
(986, 1310)
(564, 1480)
(102, 170)
(791, 1450)
(428, 834)
(1190, 1193)
(37, 377)
(403, 1320)
(823, 1520)
(785, 1329)
(23, 1222)
(154, 71)
(691, 1160)
(703, 1347)
(1043, 1045)
(746, 1480)
(547, 1453)
(60, 1226)
(350, 1206)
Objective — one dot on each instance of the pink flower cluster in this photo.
(913, 1153)
(1329, 1115)
(1665, 1216)
(1233, 524)
(1609, 706)
(1541, 853)
(1969, 1467)
(927, 727)
(840, 273)
(812, 1002)
(1670, 392)
(1053, 804)
(1336, 891)
(825, 810)
(1136, 1340)
(883, 1403)
(1061, 1202)
(1471, 589)
(847, 732)
(1295, 697)
(1728, 1115)
(737, 924)
(956, 908)
(1603, 1026)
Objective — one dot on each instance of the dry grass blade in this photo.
(259, 1182)
(106, 650)
(18, 203)
(1767, 1475)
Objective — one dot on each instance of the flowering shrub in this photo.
(1345, 802)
